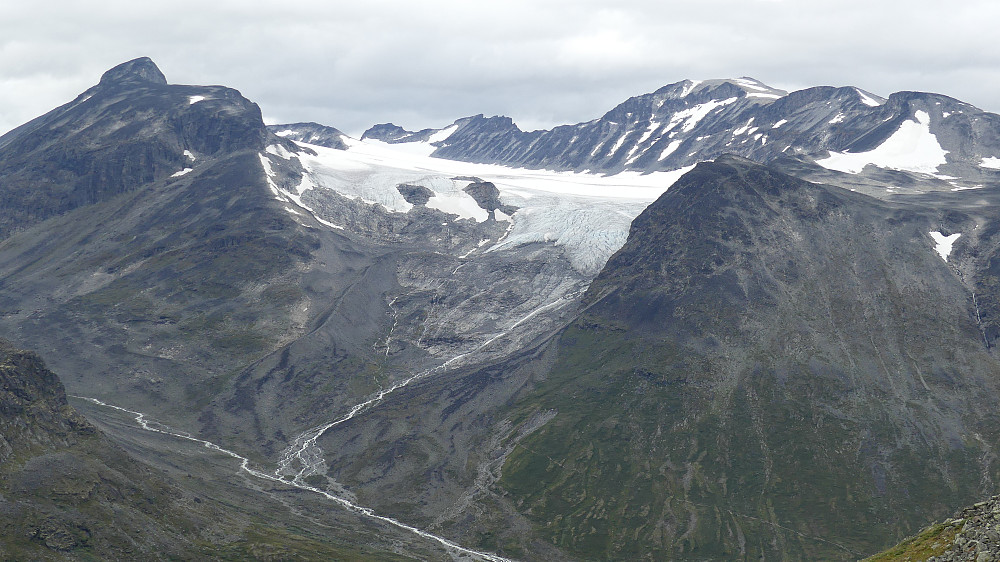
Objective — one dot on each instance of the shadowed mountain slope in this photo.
(768, 368)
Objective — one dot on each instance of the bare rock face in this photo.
(134, 72)
(128, 131)
(33, 408)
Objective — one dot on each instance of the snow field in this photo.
(912, 148)
(587, 214)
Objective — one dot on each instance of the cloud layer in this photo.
(424, 64)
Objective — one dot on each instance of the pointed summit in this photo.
(140, 71)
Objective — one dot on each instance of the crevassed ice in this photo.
(586, 214)
(912, 148)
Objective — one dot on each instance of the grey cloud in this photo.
(352, 64)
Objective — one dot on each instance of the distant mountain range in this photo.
(843, 129)
(721, 321)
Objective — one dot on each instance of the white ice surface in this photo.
(587, 214)
(944, 243)
(912, 148)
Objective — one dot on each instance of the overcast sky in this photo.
(542, 62)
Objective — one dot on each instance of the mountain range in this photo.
(722, 321)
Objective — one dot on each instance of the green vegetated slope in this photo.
(768, 369)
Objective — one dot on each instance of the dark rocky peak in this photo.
(495, 124)
(386, 132)
(136, 72)
(736, 87)
(824, 94)
(33, 407)
(676, 90)
(706, 219)
(129, 131)
(687, 93)
(719, 89)
(392, 134)
(311, 133)
(729, 180)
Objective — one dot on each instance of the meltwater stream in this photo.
(304, 458)
(157, 427)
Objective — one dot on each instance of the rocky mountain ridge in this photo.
(489, 362)
(691, 121)
(971, 535)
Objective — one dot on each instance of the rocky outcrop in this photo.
(64, 489)
(311, 133)
(972, 535)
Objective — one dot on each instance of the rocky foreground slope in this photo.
(971, 535)
(67, 492)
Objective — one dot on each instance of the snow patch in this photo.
(190, 155)
(442, 134)
(180, 173)
(912, 148)
(868, 99)
(618, 144)
(669, 150)
(653, 126)
(743, 129)
(195, 99)
(838, 119)
(779, 123)
(279, 151)
(692, 115)
(944, 243)
(991, 162)
(690, 87)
